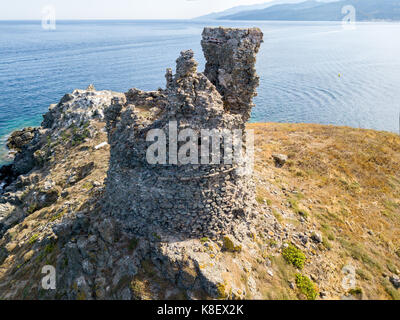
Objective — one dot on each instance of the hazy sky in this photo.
(116, 9)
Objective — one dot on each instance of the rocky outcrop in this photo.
(20, 138)
(190, 196)
(77, 108)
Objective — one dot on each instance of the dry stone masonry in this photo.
(179, 198)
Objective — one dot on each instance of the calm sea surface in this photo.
(315, 72)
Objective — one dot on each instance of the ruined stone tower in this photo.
(200, 197)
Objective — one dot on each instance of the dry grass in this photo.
(349, 181)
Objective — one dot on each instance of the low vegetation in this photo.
(345, 183)
(306, 287)
(294, 256)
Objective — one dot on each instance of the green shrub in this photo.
(260, 199)
(273, 243)
(87, 186)
(33, 239)
(49, 248)
(32, 208)
(355, 292)
(204, 240)
(306, 287)
(294, 256)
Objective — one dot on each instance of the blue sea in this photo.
(313, 72)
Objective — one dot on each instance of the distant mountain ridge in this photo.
(312, 10)
(244, 8)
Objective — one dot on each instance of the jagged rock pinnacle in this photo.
(231, 55)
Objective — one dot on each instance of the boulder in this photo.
(395, 280)
(20, 138)
(280, 159)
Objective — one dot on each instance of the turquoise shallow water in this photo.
(299, 65)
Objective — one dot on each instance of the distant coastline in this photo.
(312, 10)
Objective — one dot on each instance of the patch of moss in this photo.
(277, 215)
(221, 291)
(65, 262)
(65, 135)
(156, 236)
(58, 215)
(306, 287)
(273, 243)
(294, 256)
(87, 186)
(33, 239)
(32, 208)
(356, 292)
(204, 240)
(84, 124)
(230, 246)
(261, 196)
(77, 135)
(391, 205)
(49, 248)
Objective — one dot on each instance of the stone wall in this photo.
(188, 200)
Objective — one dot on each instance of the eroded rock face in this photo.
(186, 198)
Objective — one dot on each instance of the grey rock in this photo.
(280, 159)
(316, 237)
(395, 280)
